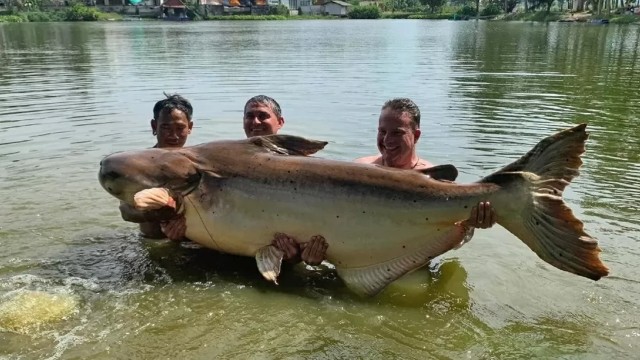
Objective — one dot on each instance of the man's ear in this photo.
(416, 135)
(190, 126)
(154, 126)
(281, 121)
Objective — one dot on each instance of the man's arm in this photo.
(158, 209)
(175, 229)
(131, 214)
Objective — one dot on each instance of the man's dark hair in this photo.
(265, 100)
(405, 105)
(172, 102)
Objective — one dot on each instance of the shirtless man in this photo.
(398, 134)
(171, 125)
(263, 116)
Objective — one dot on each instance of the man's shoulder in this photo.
(373, 159)
(423, 165)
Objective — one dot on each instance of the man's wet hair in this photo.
(265, 100)
(171, 102)
(405, 105)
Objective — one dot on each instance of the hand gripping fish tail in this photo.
(542, 220)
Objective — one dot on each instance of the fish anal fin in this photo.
(370, 280)
(269, 260)
(288, 144)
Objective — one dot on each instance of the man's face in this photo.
(259, 119)
(172, 128)
(396, 138)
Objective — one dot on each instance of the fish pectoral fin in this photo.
(288, 144)
(441, 172)
(269, 260)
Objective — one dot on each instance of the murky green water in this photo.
(77, 282)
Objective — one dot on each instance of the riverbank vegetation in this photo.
(76, 12)
(613, 11)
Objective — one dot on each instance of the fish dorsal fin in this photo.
(446, 172)
(288, 144)
(370, 280)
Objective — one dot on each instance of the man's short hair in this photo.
(172, 102)
(405, 105)
(265, 100)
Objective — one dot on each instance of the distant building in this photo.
(336, 8)
(122, 2)
(173, 10)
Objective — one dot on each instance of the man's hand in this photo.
(315, 251)
(288, 245)
(175, 229)
(482, 216)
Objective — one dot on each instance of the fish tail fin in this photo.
(540, 218)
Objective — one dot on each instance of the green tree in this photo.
(364, 12)
(433, 5)
(399, 5)
(491, 9)
(506, 5)
(536, 4)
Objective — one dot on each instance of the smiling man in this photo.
(398, 134)
(262, 116)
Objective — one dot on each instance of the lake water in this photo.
(77, 282)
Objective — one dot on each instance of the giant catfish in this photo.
(380, 223)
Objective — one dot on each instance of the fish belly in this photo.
(361, 230)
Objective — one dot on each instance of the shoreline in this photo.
(81, 13)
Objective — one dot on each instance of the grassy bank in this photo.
(74, 13)
(409, 15)
(623, 19)
(83, 13)
(539, 16)
(266, 17)
(543, 16)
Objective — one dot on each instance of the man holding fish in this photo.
(381, 222)
(398, 134)
(171, 126)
